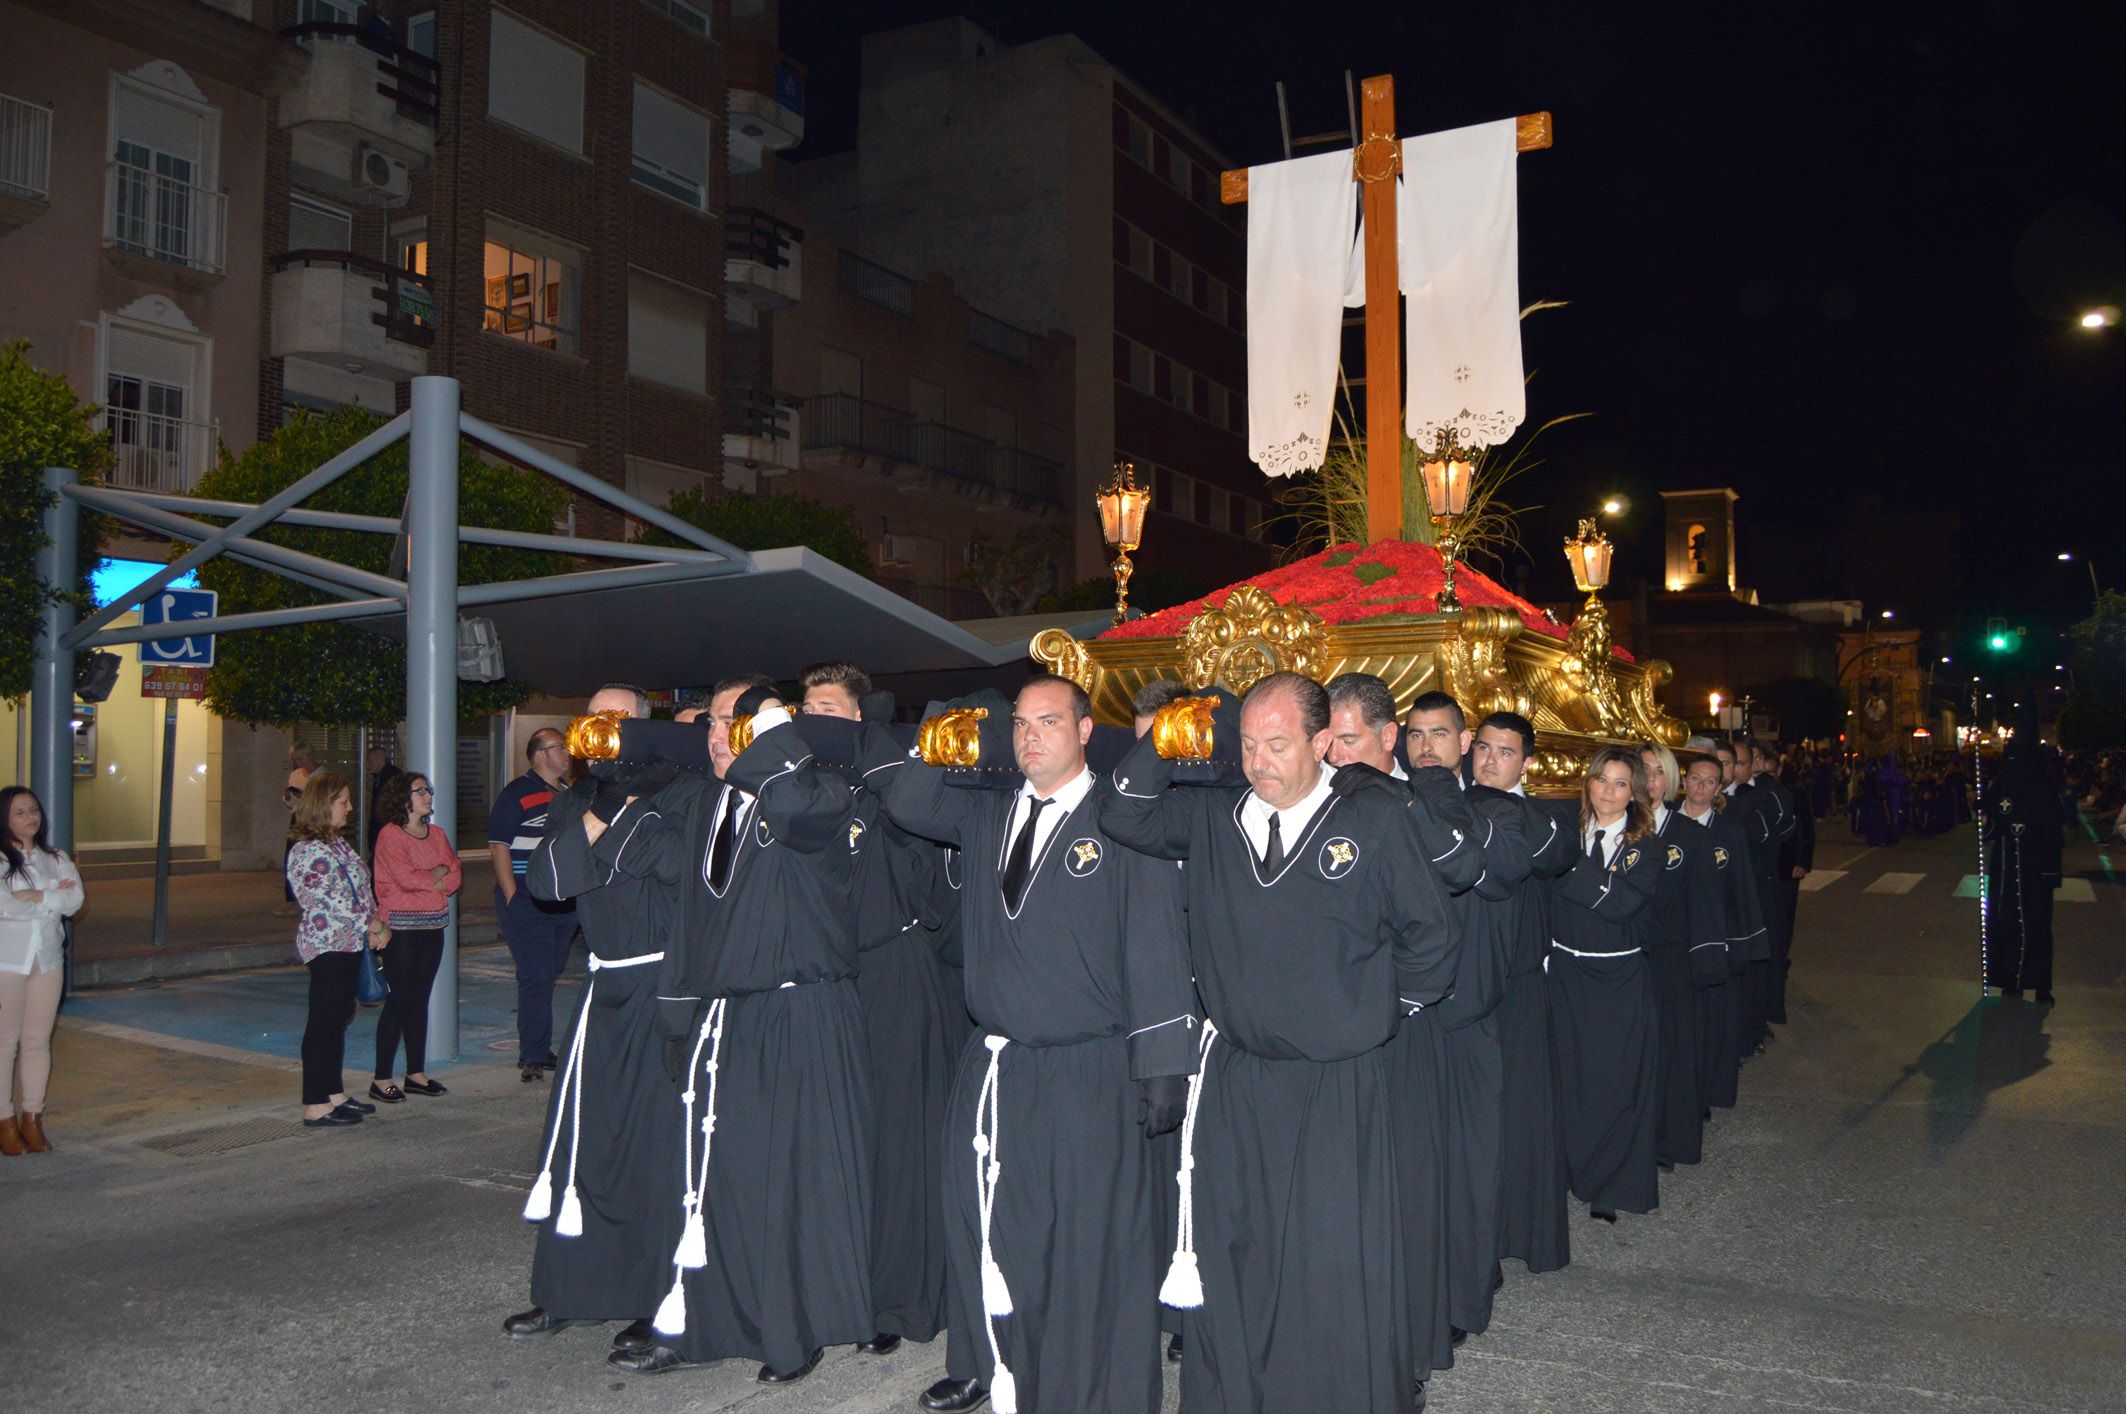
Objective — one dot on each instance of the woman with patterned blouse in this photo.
(338, 918)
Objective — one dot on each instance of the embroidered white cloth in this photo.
(1302, 220)
(1458, 248)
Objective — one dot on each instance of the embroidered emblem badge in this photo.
(1675, 856)
(856, 835)
(1720, 855)
(1631, 859)
(1084, 857)
(1337, 857)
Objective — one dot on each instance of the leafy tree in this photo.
(2095, 716)
(333, 672)
(42, 424)
(1010, 573)
(770, 522)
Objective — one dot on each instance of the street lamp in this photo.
(1122, 505)
(2101, 317)
(1447, 478)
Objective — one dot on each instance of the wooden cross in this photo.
(1373, 162)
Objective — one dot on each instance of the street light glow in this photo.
(1945, 658)
(2064, 555)
(2102, 317)
(1614, 505)
(1889, 613)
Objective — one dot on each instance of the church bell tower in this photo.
(1701, 540)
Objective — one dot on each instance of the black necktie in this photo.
(1019, 863)
(725, 846)
(1273, 852)
(1594, 851)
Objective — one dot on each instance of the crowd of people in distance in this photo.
(1267, 1050)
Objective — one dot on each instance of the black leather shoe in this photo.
(538, 1321)
(1420, 1397)
(790, 1377)
(352, 1106)
(335, 1119)
(1498, 1280)
(2015, 992)
(384, 1092)
(1666, 1165)
(1602, 1215)
(1173, 1347)
(636, 1335)
(880, 1344)
(429, 1087)
(950, 1396)
(652, 1360)
(1705, 1116)
(2044, 999)
(1455, 1337)
(529, 1073)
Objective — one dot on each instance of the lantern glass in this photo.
(1590, 563)
(1447, 485)
(1122, 505)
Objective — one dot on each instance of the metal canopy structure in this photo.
(663, 615)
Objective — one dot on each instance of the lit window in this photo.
(531, 295)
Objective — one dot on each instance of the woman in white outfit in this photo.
(39, 890)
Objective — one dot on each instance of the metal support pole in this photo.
(52, 675)
(162, 823)
(432, 649)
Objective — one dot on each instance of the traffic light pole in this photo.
(52, 673)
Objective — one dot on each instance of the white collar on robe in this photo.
(1255, 815)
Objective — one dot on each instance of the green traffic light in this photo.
(1998, 642)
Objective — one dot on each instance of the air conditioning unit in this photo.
(379, 178)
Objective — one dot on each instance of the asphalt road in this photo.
(1916, 1206)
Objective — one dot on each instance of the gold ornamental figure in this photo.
(595, 737)
(952, 738)
(1182, 729)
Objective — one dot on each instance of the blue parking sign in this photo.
(167, 606)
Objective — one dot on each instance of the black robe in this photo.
(1786, 893)
(1602, 1026)
(1720, 998)
(2024, 850)
(915, 1025)
(1079, 992)
(1756, 811)
(1306, 974)
(1533, 1224)
(786, 1207)
(626, 1157)
(1686, 945)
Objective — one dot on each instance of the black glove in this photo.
(608, 799)
(677, 1049)
(1162, 1103)
(753, 699)
(646, 778)
(877, 706)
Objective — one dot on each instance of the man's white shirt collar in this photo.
(1612, 838)
(1255, 815)
(1062, 800)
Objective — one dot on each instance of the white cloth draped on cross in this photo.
(1458, 264)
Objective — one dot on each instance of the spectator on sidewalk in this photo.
(39, 890)
(301, 767)
(382, 771)
(417, 871)
(339, 919)
(539, 934)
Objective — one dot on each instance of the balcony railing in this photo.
(840, 422)
(752, 234)
(25, 150)
(151, 452)
(875, 283)
(1004, 340)
(406, 307)
(751, 412)
(409, 80)
(161, 218)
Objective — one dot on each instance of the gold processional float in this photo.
(1378, 609)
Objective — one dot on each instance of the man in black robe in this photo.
(2021, 816)
(1757, 812)
(607, 1195)
(914, 1025)
(1706, 806)
(757, 1004)
(1314, 925)
(1086, 1029)
(1786, 882)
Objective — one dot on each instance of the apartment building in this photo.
(1056, 194)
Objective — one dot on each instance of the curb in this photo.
(131, 969)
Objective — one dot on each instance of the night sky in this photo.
(1831, 256)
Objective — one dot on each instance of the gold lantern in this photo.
(1122, 505)
(1588, 553)
(1447, 477)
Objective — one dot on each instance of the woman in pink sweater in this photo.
(416, 873)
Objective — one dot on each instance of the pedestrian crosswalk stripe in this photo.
(1894, 882)
(2076, 891)
(1968, 887)
(1820, 879)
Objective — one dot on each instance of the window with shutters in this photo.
(695, 17)
(667, 333)
(162, 201)
(160, 435)
(531, 289)
(312, 225)
(421, 34)
(534, 82)
(672, 145)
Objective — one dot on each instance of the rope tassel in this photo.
(671, 1318)
(1183, 1287)
(1003, 1390)
(540, 1205)
(570, 1223)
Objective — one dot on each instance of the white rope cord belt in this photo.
(1183, 1287)
(1626, 952)
(541, 1202)
(693, 1249)
(988, 1169)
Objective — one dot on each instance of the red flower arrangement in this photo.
(1347, 584)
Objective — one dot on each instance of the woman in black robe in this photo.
(1602, 1010)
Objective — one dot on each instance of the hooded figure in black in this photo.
(1532, 1222)
(1719, 1037)
(2021, 818)
(1086, 1027)
(1315, 925)
(757, 1002)
(607, 1196)
(1602, 1010)
(915, 1024)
